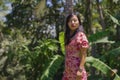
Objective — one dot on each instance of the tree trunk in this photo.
(88, 17)
(68, 7)
(102, 22)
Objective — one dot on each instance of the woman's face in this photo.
(73, 23)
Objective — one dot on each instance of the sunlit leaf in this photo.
(113, 18)
(61, 39)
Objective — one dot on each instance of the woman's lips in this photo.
(73, 25)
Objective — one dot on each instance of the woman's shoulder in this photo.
(80, 34)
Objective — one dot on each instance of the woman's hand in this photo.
(79, 75)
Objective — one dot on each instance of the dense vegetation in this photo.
(32, 34)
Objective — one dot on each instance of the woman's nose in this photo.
(72, 22)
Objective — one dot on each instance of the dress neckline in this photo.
(74, 36)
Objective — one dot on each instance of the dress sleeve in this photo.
(82, 41)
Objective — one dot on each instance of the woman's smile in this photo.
(72, 25)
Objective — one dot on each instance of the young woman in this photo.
(76, 45)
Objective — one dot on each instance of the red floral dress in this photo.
(71, 62)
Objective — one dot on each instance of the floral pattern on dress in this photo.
(71, 62)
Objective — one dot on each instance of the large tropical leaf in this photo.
(61, 39)
(113, 18)
(52, 68)
(99, 65)
(114, 57)
(115, 51)
(104, 40)
(98, 36)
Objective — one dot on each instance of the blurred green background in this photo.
(32, 38)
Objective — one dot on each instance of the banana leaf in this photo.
(99, 65)
(115, 20)
(54, 65)
(61, 40)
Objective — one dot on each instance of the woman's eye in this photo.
(75, 20)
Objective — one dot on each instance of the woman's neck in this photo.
(72, 32)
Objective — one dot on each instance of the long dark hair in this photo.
(67, 29)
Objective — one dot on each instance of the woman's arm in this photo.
(83, 54)
(82, 47)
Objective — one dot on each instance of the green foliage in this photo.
(113, 58)
(99, 65)
(12, 69)
(22, 61)
(21, 16)
(2, 61)
(35, 61)
(54, 65)
(40, 9)
(113, 19)
(61, 40)
(98, 35)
